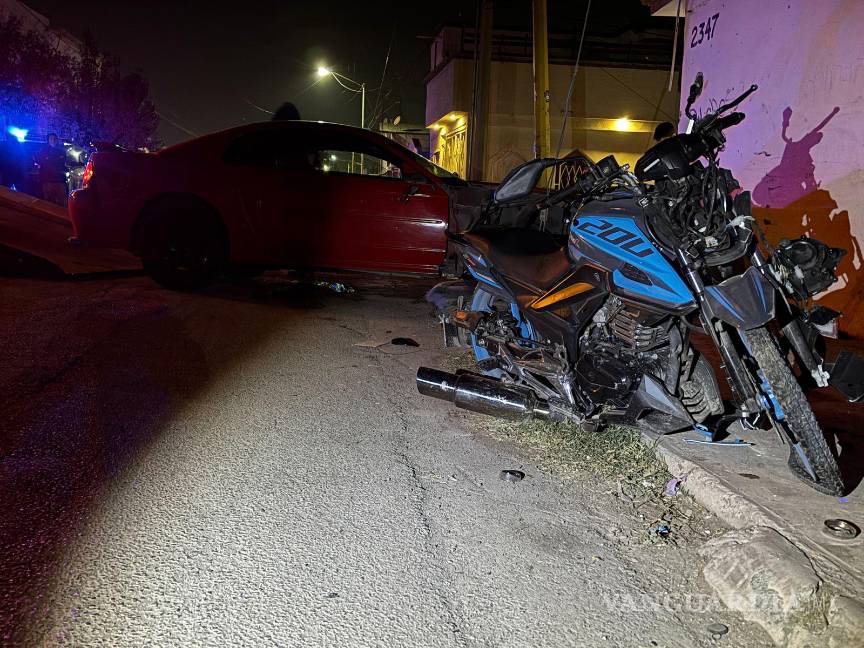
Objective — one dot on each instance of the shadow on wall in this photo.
(789, 202)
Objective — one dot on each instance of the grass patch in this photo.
(614, 453)
(632, 470)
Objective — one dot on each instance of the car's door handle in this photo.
(411, 192)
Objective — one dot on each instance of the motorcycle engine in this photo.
(621, 346)
(605, 379)
(806, 266)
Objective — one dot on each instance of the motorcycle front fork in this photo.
(737, 374)
(740, 378)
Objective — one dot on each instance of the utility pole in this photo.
(541, 81)
(482, 90)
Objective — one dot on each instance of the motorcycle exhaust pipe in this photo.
(481, 394)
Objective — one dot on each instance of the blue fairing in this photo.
(613, 242)
(479, 269)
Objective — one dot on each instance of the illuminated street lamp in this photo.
(324, 71)
(623, 124)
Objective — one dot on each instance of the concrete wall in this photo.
(599, 94)
(801, 149)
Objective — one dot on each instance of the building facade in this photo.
(620, 95)
(800, 151)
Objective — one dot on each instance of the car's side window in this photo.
(357, 163)
(339, 153)
(274, 149)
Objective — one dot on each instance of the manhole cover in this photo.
(512, 475)
(841, 529)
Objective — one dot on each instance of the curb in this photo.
(840, 618)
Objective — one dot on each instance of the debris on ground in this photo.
(673, 485)
(663, 530)
(404, 341)
(335, 286)
(370, 344)
(512, 475)
(717, 630)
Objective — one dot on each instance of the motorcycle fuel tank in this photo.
(608, 234)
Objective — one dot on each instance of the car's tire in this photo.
(183, 247)
(798, 415)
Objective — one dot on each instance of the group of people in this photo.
(49, 180)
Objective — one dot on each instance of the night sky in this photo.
(209, 62)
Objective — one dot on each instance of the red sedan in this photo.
(278, 194)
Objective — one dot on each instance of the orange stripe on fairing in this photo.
(560, 295)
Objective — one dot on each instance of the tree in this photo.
(88, 98)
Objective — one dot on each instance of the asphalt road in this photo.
(252, 466)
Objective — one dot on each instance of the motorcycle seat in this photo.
(528, 256)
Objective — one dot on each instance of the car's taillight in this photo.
(88, 174)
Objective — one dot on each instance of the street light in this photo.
(324, 71)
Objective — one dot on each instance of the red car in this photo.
(278, 194)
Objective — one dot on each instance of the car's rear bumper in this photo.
(92, 225)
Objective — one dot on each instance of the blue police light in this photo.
(18, 133)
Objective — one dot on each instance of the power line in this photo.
(573, 81)
(654, 105)
(175, 124)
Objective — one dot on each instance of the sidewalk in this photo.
(780, 552)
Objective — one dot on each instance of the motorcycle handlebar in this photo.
(729, 120)
(722, 109)
(583, 185)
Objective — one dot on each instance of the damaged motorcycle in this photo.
(588, 300)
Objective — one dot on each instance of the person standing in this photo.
(51, 159)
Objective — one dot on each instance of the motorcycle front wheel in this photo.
(796, 415)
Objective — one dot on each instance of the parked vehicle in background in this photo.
(277, 194)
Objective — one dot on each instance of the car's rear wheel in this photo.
(182, 249)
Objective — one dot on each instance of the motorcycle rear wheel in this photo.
(797, 414)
